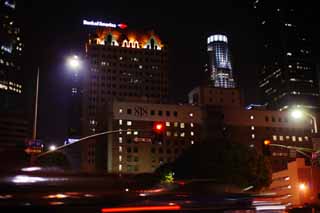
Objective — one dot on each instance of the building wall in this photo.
(252, 127)
(137, 151)
(126, 66)
(212, 96)
(287, 184)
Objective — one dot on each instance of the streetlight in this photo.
(74, 62)
(302, 187)
(298, 114)
(52, 148)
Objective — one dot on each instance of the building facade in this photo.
(296, 185)
(288, 74)
(224, 115)
(136, 150)
(124, 65)
(10, 55)
(220, 67)
(213, 96)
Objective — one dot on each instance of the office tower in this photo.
(220, 68)
(123, 65)
(288, 74)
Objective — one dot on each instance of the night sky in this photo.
(52, 30)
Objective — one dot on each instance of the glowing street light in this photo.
(302, 187)
(299, 114)
(52, 148)
(74, 62)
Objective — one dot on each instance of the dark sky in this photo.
(53, 29)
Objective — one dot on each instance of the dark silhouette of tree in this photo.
(224, 162)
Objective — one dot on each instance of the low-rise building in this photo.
(296, 185)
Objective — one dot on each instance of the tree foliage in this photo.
(223, 161)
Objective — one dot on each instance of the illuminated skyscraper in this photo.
(220, 68)
(10, 54)
(288, 74)
(124, 65)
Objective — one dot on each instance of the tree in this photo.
(223, 161)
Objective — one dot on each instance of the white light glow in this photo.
(27, 179)
(52, 148)
(31, 169)
(296, 114)
(74, 62)
(272, 207)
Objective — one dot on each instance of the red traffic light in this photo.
(266, 142)
(158, 127)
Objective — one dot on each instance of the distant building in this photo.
(213, 96)
(220, 67)
(288, 75)
(124, 65)
(14, 126)
(296, 185)
(224, 115)
(137, 151)
(11, 46)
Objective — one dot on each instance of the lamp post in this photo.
(299, 114)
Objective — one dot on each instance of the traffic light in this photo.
(266, 147)
(158, 131)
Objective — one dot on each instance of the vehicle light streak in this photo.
(141, 208)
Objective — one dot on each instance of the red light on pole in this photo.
(158, 127)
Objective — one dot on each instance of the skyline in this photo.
(49, 42)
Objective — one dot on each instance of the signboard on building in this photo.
(34, 146)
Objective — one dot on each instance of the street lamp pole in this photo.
(34, 132)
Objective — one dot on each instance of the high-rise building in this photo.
(220, 68)
(288, 75)
(124, 65)
(10, 54)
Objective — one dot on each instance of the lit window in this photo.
(168, 133)
(191, 125)
(129, 132)
(135, 133)
(192, 133)
(252, 127)
(167, 123)
(289, 54)
(306, 138)
(140, 66)
(129, 123)
(294, 138)
(120, 148)
(274, 137)
(281, 138)
(181, 125)
(253, 136)
(120, 158)
(182, 134)
(120, 139)
(175, 124)
(175, 134)
(191, 114)
(251, 117)
(192, 142)
(120, 167)
(120, 110)
(300, 139)
(120, 122)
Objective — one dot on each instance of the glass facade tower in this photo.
(10, 54)
(220, 67)
(288, 74)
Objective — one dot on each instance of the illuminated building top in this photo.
(110, 36)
